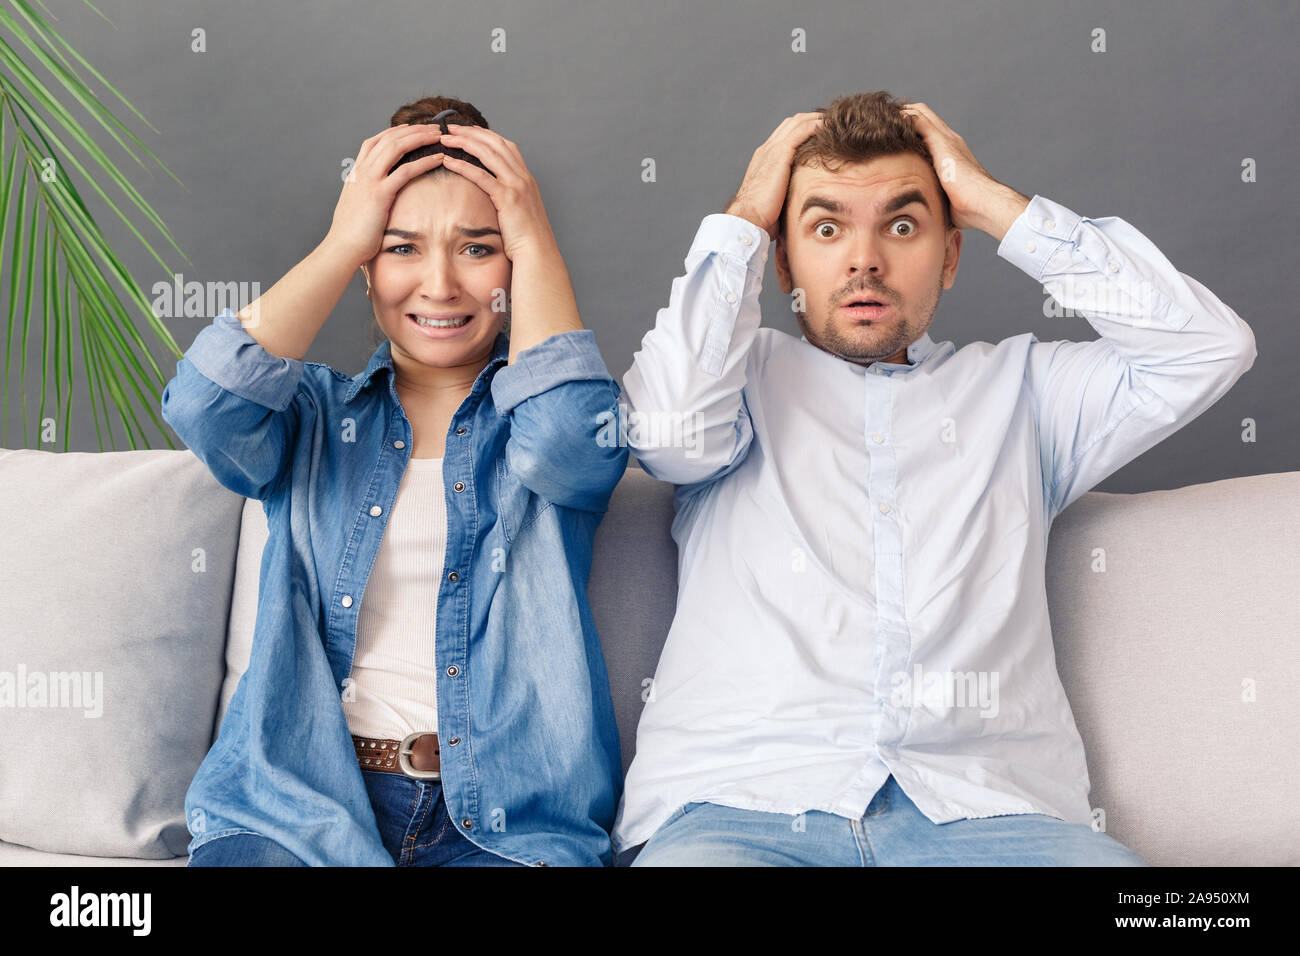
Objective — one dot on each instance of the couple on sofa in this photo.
(860, 670)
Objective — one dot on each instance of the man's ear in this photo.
(951, 256)
(782, 264)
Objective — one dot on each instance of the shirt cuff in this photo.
(564, 357)
(1036, 234)
(735, 237)
(235, 361)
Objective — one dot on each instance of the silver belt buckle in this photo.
(404, 759)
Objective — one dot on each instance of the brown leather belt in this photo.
(418, 755)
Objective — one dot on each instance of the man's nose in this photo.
(866, 255)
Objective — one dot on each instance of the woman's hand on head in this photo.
(510, 186)
(369, 190)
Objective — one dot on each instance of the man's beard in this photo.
(875, 341)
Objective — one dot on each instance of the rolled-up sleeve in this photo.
(566, 439)
(231, 403)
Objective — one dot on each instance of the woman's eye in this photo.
(405, 245)
(907, 223)
(826, 225)
(487, 251)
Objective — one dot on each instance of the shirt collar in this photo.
(917, 352)
(383, 359)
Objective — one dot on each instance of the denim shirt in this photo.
(531, 767)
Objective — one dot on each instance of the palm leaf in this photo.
(47, 156)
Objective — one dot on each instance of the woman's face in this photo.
(441, 258)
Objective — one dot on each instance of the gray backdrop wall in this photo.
(1154, 130)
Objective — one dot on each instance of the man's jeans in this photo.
(893, 832)
(413, 824)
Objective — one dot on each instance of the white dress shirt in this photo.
(861, 551)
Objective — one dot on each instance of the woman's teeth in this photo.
(441, 323)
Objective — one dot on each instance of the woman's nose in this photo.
(439, 280)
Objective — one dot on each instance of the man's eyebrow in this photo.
(471, 232)
(837, 208)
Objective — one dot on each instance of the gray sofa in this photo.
(129, 582)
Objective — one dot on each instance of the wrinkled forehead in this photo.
(440, 204)
(865, 189)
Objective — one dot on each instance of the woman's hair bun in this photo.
(424, 110)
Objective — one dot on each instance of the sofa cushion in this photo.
(633, 592)
(116, 582)
(253, 532)
(1175, 618)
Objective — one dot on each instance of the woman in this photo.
(425, 685)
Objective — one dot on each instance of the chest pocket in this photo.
(517, 505)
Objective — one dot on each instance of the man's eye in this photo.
(907, 223)
(405, 245)
(487, 250)
(826, 225)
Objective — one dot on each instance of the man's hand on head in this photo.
(978, 200)
(762, 193)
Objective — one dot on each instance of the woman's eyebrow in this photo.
(473, 232)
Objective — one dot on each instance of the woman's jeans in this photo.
(413, 824)
(893, 832)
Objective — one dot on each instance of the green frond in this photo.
(42, 173)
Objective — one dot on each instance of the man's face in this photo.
(447, 259)
(864, 233)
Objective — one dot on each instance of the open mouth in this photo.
(436, 327)
(865, 308)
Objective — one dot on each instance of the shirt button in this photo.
(877, 438)
(399, 444)
(731, 297)
(1030, 246)
(453, 670)
(543, 862)
(467, 823)
(347, 600)
(376, 511)
(453, 576)
(459, 486)
(1114, 267)
(460, 431)
(1049, 224)
(884, 507)
(454, 741)
(746, 240)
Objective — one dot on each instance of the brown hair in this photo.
(857, 128)
(424, 110)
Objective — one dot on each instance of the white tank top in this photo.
(393, 689)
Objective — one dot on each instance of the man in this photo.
(861, 668)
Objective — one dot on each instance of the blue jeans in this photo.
(893, 832)
(413, 825)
